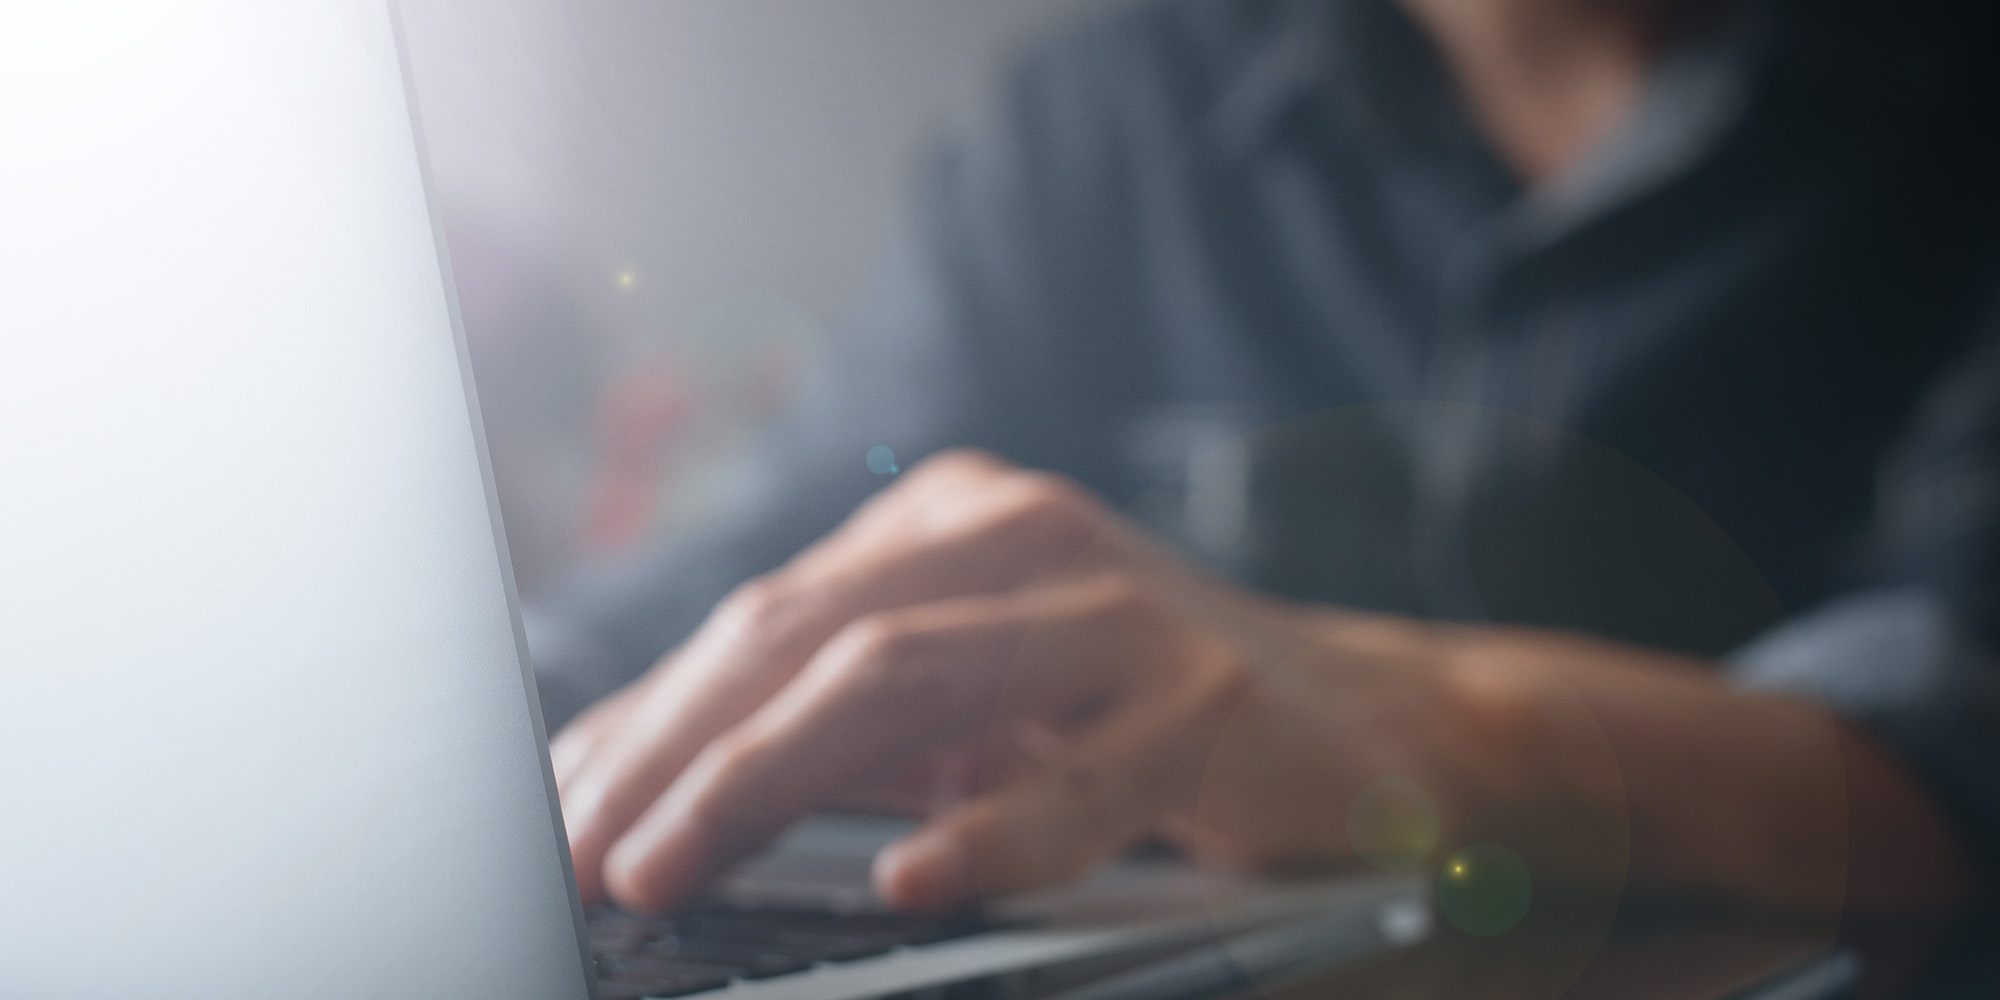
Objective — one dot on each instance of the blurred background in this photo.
(657, 210)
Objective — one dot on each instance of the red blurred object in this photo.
(640, 414)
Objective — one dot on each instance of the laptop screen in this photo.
(267, 729)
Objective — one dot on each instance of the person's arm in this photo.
(1760, 798)
(1105, 691)
(1915, 662)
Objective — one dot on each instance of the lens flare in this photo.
(1393, 824)
(1485, 890)
(882, 461)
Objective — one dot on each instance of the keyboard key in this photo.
(622, 991)
(688, 952)
(661, 977)
(756, 962)
(612, 941)
(825, 937)
(671, 987)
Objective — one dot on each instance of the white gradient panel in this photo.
(265, 731)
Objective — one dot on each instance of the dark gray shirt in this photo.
(1731, 387)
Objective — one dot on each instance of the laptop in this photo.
(269, 729)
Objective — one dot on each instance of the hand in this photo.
(999, 635)
(976, 619)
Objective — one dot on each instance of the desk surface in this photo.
(1706, 962)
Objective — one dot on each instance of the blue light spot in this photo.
(882, 461)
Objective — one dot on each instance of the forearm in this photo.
(1767, 800)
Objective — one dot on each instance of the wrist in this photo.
(1529, 767)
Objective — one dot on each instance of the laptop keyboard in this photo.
(639, 957)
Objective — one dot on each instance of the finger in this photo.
(972, 527)
(569, 750)
(572, 744)
(634, 751)
(890, 691)
(1107, 790)
(961, 524)
(927, 788)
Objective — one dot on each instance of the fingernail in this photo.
(636, 876)
(928, 870)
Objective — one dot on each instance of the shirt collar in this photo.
(1285, 65)
(1383, 77)
(1363, 55)
(1697, 94)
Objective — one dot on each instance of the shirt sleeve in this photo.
(1916, 660)
(1900, 662)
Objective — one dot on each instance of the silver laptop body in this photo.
(268, 728)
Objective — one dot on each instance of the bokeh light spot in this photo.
(882, 461)
(626, 280)
(1393, 824)
(1485, 890)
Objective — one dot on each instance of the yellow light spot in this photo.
(1486, 889)
(626, 279)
